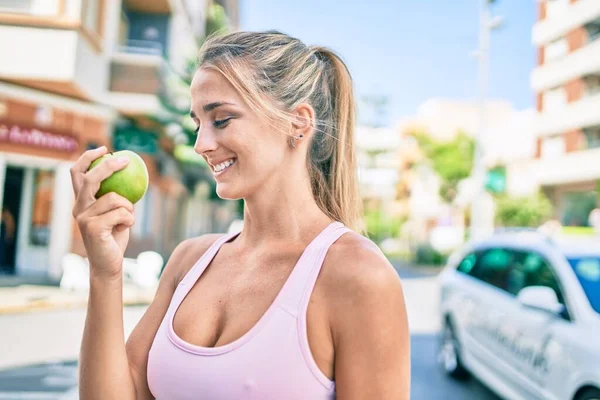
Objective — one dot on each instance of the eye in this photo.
(222, 123)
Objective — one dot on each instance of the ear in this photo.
(304, 122)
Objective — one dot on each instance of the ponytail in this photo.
(332, 159)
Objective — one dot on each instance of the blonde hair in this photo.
(275, 73)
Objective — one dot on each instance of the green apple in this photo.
(130, 182)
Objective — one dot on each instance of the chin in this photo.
(229, 192)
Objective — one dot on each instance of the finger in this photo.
(121, 228)
(120, 216)
(82, 164)
(93, 179)
(110, 201)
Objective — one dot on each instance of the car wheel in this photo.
(589, 394)
(449, 354)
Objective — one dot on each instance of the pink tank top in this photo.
(271, 361)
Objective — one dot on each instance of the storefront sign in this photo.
(44, 138)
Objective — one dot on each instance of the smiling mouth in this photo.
(219, 168)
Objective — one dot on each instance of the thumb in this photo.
(121, 228)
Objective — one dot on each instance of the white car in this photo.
(521, 312)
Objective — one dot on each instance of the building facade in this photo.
(78, 74)
(566, 82)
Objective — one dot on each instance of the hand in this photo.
(104, 223)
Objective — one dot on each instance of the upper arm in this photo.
(369, 327)
(139, 342)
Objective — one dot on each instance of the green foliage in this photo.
(530, 211)
(578, 231)
(451, 160)
(427, 255)
(216, 20)
(380, 226)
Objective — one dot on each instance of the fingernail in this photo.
(101, 148)
(123, 160)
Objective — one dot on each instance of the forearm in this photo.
(104, 368)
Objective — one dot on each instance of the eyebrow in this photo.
(210, 106)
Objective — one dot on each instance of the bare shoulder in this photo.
(186, 254)
(359, 281)
(356, 263)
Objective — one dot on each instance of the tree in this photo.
(529, 211)
(451, 160)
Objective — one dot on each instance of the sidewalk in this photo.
(29, 298)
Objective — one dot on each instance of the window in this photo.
(531, 269)
(593, 29)
(493, 267)
(592, 84)
(41, 212)
(587, 270)
(467, 264)
(592, 137)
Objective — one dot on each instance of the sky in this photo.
(411, 50)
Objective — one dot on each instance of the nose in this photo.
(205, 141)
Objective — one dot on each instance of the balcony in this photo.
(585, 61)
(580, 114)
(553, 27)
(57, 60)
(579, 166)
(150, 6)
(139, 76)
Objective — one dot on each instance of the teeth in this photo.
(223, 165)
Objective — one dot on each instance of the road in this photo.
(55, 336)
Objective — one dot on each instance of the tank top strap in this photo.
(194, 273)
(304, 276)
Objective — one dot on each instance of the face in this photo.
(244, 151)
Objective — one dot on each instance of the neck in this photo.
(283, 213)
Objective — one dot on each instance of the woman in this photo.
(297, 305)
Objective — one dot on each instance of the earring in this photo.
(294, 138)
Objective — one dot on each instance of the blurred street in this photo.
(49, 371)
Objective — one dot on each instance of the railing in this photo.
(160, 80)
(147, 47)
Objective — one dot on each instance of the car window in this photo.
(493, 267)
(467, 263)
(531, 269)
(587, 270)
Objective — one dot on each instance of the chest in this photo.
(234, 293)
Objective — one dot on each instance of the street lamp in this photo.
(487, 23)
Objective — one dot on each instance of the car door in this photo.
(484, 311)
(529, 348)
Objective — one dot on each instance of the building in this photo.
(78, 74)
(508, 139)
(378, 161)
(567, 86)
